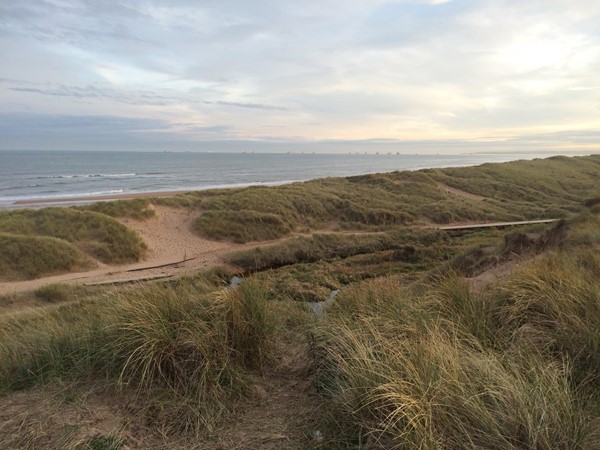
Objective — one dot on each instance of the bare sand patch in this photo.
(169, 235)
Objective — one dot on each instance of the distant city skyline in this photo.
(409, 76)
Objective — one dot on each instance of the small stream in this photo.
(318, 308)
(235, 282)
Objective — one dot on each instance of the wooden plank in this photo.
(139, 269)
(495, 224)
(128, 280)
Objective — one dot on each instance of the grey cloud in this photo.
(141, 97)
(247, 105)
(334, 63)
(94, 92)
(57, 124)
(13, 81)
(219, 130)
(67, 132)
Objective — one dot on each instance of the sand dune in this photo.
(170, 240)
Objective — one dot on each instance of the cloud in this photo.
(95, 92)
(247, 105)
(411, 70)
(57, 124)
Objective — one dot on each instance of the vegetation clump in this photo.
(55, 293)
(241, 226)
(514, 366)
(520, 190)
(26, 257)
(185, 349)
(93, 233)
(135, 208)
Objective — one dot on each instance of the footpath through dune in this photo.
(172, 246)
(169, 235)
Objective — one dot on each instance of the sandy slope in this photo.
(169, 238)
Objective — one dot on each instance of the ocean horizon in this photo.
(30, 175)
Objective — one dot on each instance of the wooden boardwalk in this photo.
(494, 225)
(129, 280)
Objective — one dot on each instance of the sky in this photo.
(287, 75)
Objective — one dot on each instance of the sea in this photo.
(49, 175)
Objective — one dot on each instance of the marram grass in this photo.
(186, 350)
(26, 257)
(93, 233)
(549, 188)
(441, 367)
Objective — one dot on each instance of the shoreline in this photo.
(77, 199)
(92, 198)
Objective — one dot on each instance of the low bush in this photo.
(408, 244)
(55, 293)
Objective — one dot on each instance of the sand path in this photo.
(170, 241)
(173, 249)
(460, 193)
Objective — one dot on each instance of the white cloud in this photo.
(411, 69)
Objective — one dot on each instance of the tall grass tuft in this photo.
(553, 305)
(55, 293)
(438, 366)
(251, 325)
(185, 350)
(435, 389)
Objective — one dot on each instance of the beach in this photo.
(62, 201)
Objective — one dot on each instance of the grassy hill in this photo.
(518, 190)
(51, 240)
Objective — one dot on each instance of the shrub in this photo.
(136, 208)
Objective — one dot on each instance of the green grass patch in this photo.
(26, 257)
(135, 208)
(186, 349)
(93, 233)
(549, 188)
(554, 184)
(241, 226)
